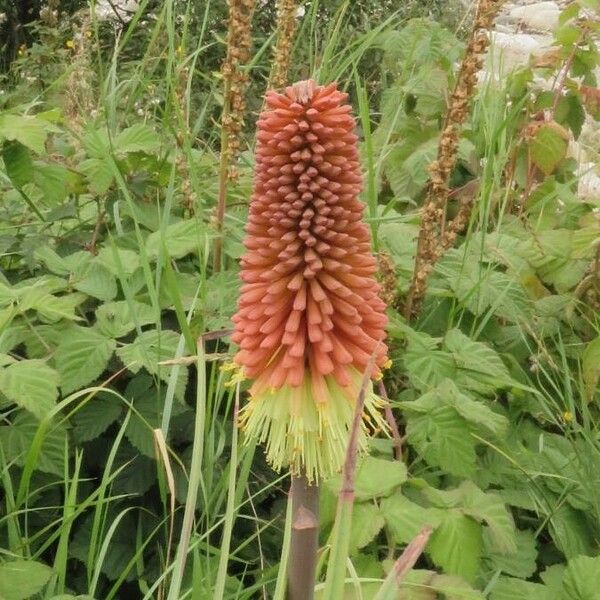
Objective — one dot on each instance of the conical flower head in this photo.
(309, 314)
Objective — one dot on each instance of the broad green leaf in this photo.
(180, 238)
(52, 261)
(95, 416)
(54, 308)
(115, 319)
(29, 131)
(443, 438)
(17, 438)
(571, 532)
(128, 259)
(590, 367)
(21, 579)
(148, 350)
(521, 563)
(99, 174)
(581, 579)
(477, 359)
(369, 482)
(548, 147)
(509, 588)
(456, 545)
(53, 181)
(137, 138)
(405, 518)
(31, 384)
(97, 281)
(489, 508)
(18, 163)
(82, 357)
(366, 524)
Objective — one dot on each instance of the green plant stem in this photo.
(304, 539)
(340, 537)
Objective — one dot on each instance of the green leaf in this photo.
(54, 308)
(137, 138)
(366, 524)
(581, 579)
(97, 281)
(95, 416)
(477, 359)
(21, 579)
(370, 484)
(521, 563)
(456, 545)
(128, 259)
(508, 588)
(405, 519)
(490, 509)
(18, 163)
(180, 239)
(29, 131)
(17, 439)
(443, 438)
(548, 147)
(571, 532)
(82, 357)
(31, 384)
(590, 367)
(115, 319)
(148, 350)
(99, 174)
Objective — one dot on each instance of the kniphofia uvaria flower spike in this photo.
(309, 315)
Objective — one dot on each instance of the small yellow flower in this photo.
(70, 44)
(567, 416)
(22, 51)
(88, 34)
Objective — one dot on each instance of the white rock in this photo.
(121, 10)
(588, 187)
(509, 51)
(542, 16)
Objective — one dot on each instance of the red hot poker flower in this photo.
(309, 314)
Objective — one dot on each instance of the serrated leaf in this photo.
(548, 147)
(509, 588)
(21, 579)
(54, 308)
(82, 357)
(148, 350)
(405, 519)
(137, 138)
(477, 359)
(29, 131)
(443, 438)
(99, 174)
(115, 319)
(95, 416)
(31, 384)
(456, 545)
(18, 163)
(97, 281)
(128, 259)
(180, 238)
(366, 524)
(18, 437)
(581, 579)
(521, 563)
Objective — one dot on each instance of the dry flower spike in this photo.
(309, 315)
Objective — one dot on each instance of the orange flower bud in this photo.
(309, 315)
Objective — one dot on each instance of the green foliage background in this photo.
(108, 182)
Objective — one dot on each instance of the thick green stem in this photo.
(305, 539)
